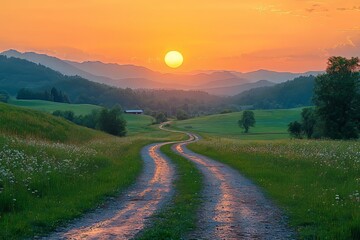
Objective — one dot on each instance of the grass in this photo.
(179, 218)
(135, 123)
(316, 182)
(52, 171)
(270, 124)
(48, 106)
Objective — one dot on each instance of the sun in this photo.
(174, 59)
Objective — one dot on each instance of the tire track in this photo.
(125, 216)
(233, 207)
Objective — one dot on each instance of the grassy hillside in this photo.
(22, 122)
(135, 123)
(47, 106)
(47, 166)
(270, 124)
(290, 94)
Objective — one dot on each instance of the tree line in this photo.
(336, 114)
(53, 95)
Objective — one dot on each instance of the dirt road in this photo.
(233, 207)
(123, 217)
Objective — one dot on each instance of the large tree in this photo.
(247, 120)
(336, 96)
(111, 121)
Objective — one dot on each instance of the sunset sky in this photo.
(282, 35)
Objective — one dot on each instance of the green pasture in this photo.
(47, 106)
(270, 124)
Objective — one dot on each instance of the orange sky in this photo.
(244, 35)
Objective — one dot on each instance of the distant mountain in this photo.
(18, 73)
(113, 70)
(289, 94)
(233, 90)
(273, 76)
(54, 63)
(138, 77)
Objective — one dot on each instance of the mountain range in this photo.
(225, 83)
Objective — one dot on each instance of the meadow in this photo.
(135, 123)
(52, 170)
(47, 106)
(316, 182)
(270, 124)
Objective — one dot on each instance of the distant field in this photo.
(47, 106)
(270, 124)
(135, 123)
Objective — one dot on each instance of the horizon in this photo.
(166, 71)
(244, 36)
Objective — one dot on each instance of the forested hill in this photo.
(16, 74)
(294, 93)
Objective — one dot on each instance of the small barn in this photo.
(134, 111)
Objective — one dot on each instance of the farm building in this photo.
(134, 111)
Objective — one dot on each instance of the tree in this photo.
(112, 122)
(308, 121)
(160, 117)
(295, 129)
(181, 115)
(336, 96)
(247, 120)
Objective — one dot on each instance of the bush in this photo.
(110, 121)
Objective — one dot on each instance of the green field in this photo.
(47, 106)
(47, 162)
(270, 124)
(135, 123)
(316, 182)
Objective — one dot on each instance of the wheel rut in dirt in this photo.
(123, 217)
(233, 207)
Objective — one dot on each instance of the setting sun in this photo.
(174, 59)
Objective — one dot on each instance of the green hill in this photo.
(47, 106)
(23, 122)
(270, 124)
(290, 94)
(46, 161)
(135, 123)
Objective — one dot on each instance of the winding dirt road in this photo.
(124, 217)
(233, 207)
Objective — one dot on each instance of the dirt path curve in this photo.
(125, 216)
(233, 207)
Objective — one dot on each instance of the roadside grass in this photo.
(317, 183)
(270, 124)
(179, 218)
(52, 171)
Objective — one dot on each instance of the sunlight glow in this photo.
(174, 59)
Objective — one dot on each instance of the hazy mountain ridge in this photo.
(234, 90)
(293, 93)
(16, 74)
(138, 77)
